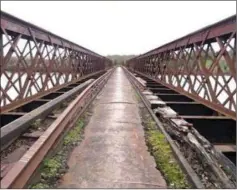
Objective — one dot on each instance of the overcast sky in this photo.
(120, 27)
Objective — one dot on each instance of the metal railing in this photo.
(35, 61)
(201, 65)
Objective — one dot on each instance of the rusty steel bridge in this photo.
(194, 75)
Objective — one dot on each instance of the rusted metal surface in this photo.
(201, 65)
(192, 176)
(113, 153)
(23, 169)
(207, 128)
(15, 128)
(35, 61)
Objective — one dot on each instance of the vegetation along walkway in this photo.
(113, 153)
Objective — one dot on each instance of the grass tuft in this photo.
(52, 167)
(75, 134)
(164, 157)
(40, 186)
(36, 123)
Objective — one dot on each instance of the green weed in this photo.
(164, 157)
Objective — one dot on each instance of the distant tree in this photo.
(120, 59)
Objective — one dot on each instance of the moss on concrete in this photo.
(137, 96)
(36, 123)
(40, 186)
(166, 163)
(75, 134)
(53, 168)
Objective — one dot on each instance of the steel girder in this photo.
(201, 65)
(34, 61)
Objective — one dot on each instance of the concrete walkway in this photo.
(113, 153)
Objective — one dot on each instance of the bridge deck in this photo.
(113, 153)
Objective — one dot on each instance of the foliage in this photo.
(40, 186)
(75, 134)
(120, 59)
(164, 158)
(52, 167)
(36, 123)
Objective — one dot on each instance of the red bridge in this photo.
(178, 99)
